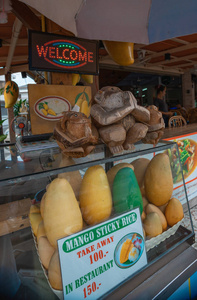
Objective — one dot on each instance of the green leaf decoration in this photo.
(11, 93)
(40, 106)
(77, 97)
(15, 87)
(7, 88)
(3, 137)
(1, 121)
(87, 98)
(83, 94)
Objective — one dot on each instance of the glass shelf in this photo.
(16, 166)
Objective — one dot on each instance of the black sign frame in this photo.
(48, 66)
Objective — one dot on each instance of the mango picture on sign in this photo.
(51, 108)
(129, 250)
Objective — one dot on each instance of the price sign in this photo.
(99, 258)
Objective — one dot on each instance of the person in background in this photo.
(161, 104)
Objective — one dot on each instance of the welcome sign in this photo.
(51, 52)
(99, 258)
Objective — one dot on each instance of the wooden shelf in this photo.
(14, 216)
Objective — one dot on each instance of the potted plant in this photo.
(2, 136)
(18, 105)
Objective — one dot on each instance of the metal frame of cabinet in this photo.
(162, 259)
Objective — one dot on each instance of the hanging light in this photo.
(3, 16)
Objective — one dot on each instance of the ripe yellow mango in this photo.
(54, 272)
(174, 211)
(124, 253)
(44, 111)
(45, 251)
(113, 171)
(153, 208)
(62, 215)
(140, 166)
(143, 216)
(42, 205)
(51, 112)
(45, 106)
(87, 78)
(85, 108)
(74, 177)
(35, 219)
(120, 52)
(34, 208)
(11, 93)
(145, 202)
(95, 196)
(41, 231)
(75, 78)
(152, 225)
(79, 102)
(158, 181)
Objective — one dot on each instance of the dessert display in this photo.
(67, 208)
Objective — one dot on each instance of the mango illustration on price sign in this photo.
(99, 258)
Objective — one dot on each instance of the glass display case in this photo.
(50, 203)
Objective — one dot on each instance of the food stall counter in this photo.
(178, 131)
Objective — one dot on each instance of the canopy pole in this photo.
(10, 114)
(43, 30)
